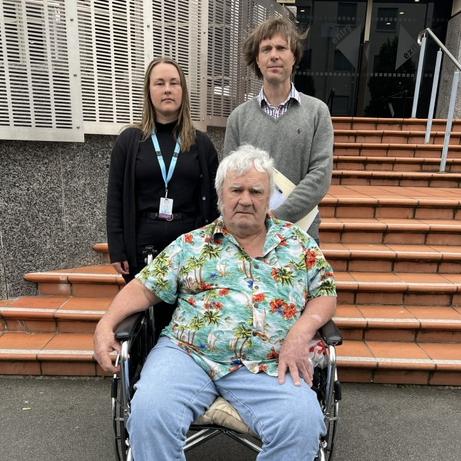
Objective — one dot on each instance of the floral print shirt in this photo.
(234, 310)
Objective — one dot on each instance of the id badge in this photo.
(165, 210)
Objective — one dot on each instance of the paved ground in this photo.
(47, 419)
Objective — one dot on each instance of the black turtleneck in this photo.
(183, 187)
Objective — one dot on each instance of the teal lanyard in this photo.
(177, 148)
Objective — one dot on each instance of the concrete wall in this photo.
(52, 206)
(453, 43)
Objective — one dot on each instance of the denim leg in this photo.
(287, 418)
(167, 400)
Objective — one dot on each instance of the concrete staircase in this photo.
(391, 227)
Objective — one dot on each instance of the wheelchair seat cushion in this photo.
(222, 413)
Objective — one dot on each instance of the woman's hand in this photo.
(122, 267)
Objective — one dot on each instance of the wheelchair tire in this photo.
(122, 447)
(332, 421)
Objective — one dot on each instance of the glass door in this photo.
(329, 69)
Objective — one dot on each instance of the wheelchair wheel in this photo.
(331, 418)
(119, 417)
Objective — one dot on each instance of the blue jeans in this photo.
(173, 391)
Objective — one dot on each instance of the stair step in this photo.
(403, 288)
(52, 314)
(65, 354)
(394, 136)
(396, 178)
(395, 150)
(400, 323)
(399, 362)
(87, 281)
(413, 164)
(403, 124)
(390, 231)
(393, 258)
(392, 202)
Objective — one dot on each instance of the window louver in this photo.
(73, 67)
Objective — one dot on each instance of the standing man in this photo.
(294, 128)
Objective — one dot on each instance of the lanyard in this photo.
(166, 177)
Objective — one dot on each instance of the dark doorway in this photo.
(367, 67)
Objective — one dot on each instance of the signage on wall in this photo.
(406, 48)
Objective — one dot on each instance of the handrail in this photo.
(422, 37)
(441, 45)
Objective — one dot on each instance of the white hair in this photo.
(240, 161)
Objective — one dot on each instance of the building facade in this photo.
(71, 75)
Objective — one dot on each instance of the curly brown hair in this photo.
(273, 26)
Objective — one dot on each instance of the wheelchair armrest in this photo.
(331, 334)
(128, 328)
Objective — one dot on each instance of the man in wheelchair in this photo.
(251, 293)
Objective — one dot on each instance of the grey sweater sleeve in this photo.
(315, 184)
(231, 138)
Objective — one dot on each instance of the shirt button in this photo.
(256, 265)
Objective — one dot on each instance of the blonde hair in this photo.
(184, 126)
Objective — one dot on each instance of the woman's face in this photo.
(165, 92)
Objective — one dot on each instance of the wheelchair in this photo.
(138, 334)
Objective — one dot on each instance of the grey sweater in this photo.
(301, 144)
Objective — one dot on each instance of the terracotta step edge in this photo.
(398, 174)
(21, 313)
(384, 323)
(385, 159)
(397, 286)
(50, 277)
(390, 254)
(382, 131)
(389, 363)
(101, 247)
(390, 146)
(401, 201)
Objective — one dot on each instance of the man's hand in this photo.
(104, 344)
(294, 354)
(294, 357)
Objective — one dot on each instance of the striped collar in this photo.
(294, 94)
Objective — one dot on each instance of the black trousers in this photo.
(158, 234)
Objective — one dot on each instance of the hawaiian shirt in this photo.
(234, 310)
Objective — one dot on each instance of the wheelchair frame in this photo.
(137, 336)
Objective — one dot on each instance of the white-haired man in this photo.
(251, 292)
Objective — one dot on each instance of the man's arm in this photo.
(312, 188)
(231, 137)
(135, 297)
(295, 349)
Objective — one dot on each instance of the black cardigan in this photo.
(121, 200)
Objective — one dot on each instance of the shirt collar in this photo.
(277, 232)
(294, 94)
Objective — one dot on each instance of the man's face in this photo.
(275, 59)
(245, 202)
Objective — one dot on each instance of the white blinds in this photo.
(38, 83)
(70, 67)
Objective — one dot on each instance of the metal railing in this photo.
(422, 38)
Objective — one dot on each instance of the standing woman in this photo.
(162, 171)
